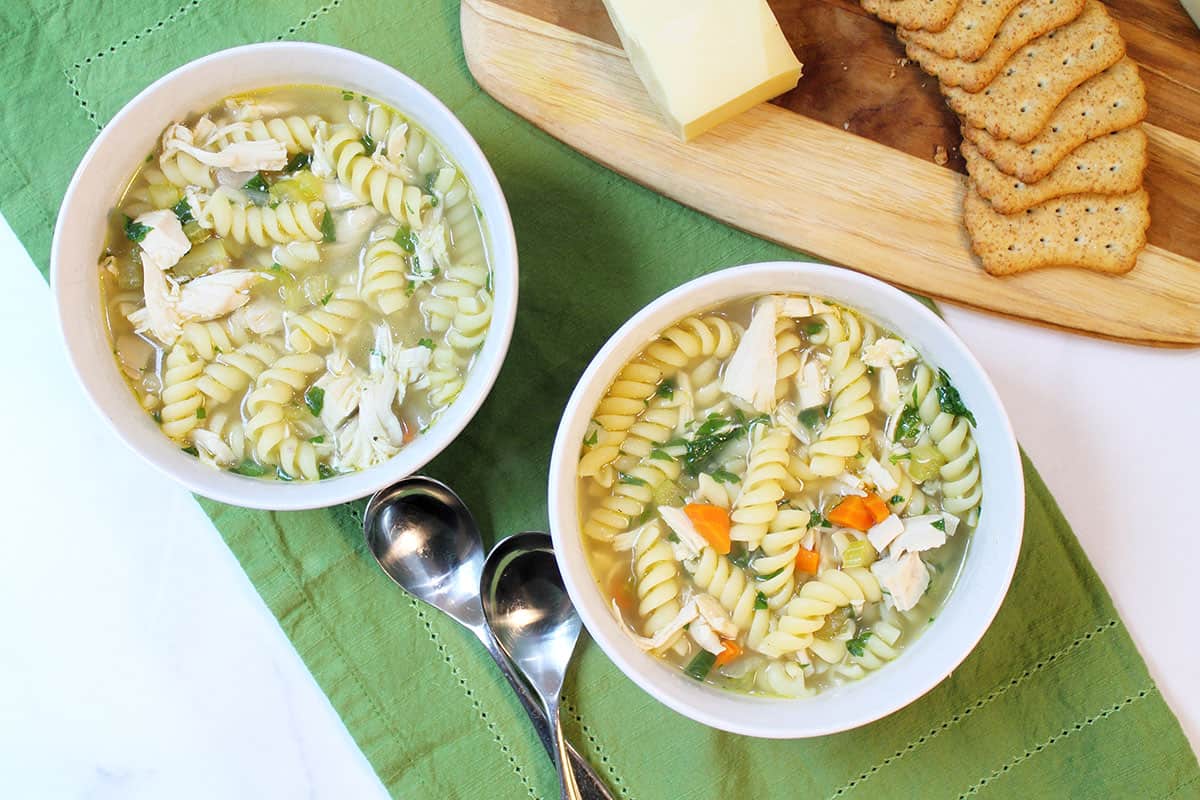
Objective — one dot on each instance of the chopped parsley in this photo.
(325, 300)
(630, 480)
(135, 231)
(666, 389)
(760, 601)
(815, 520)
(858, 644)
(201, 413)
(909, 424)
(769, 575)
(251, 469)
(404, 237)
(183, 211)
(592, 438)
(328, 233)
(894, 457)
(257, 190)
(283, 476)
(325, 471)
(741, 558)
(347, 94)
(711, 436)
(949, 399)
(314, 398)
(896, 499)
(368, 143)
(722, 475)
(157, 417)
(813, 328)
(191, 450)
(317, 439)
(657, 453)
(673, 537)
(810, 417)
(298, 162)
(276, 267)
(940, 524)
(425, 342)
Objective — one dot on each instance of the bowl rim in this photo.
(649, 673)
(502, 250)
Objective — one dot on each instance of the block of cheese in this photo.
(704, 61)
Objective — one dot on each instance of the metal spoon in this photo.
(426, 540)
(528, 609)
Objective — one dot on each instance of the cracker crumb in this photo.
(846, 126)
(892, 73)
(939, 156)
(903, 62)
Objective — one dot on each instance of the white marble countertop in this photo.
(138, 661)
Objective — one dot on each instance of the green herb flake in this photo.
(895, 457)
(760, 601)
(630, 480)
(949, 399)
(283, 476)
(191, 450)
(816, 520)
(592, 438)
(298, 162)
(157, 417)
(810, 417)
(741, 558)
(896, 499)
(325, 300)
(908, 426)
(411, 288)
(150, 157)
(277, 267)
(325, 471)
(425, 342)
(673, 537)
(658, 454)
(251, 469)
(135, 231)
(317, 439)
(314, 398)
(857, 645)
(257, 189)
(183, 211)
(328, 233)
(701, 665)
(347, 94)
(722, 475)
(769, 575)
(201, 413)
(368, 143)
(666, 389)
(940, 524)
(813, 328)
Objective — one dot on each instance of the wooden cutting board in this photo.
(842, 167)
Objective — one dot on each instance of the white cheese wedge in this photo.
(905, 579)
(884, 533)
(704, 61)
(751, 371)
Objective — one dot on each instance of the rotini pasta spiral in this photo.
(294, 132)
(717, 575)
(962, 488)
(456, 283)
(222, 440)
(471, 322)
(385, 276)
(319, 325)
(445, 376)
(245, 222)
(184, 170)
(389, 193)
(879, 647)
(805, 614)
(692, 338)
(656, 578)
(299, 256)
(230, 373)
(788, 360)
(181, 397)
(298, 458)
(208, 339)
(267, 426)
(843, 433)
(763, 486)
(780, 546)
(783, 678)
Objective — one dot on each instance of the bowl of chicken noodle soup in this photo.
(786, 499)
(286, 275)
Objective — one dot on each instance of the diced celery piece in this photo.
(201, 258)
(924, 462)
(301, 187)
(316, 288)
(668, 493)
(164, 195)
(290, 291)
(834, 624)
(195, 233)
(129, 270)
(859, 553)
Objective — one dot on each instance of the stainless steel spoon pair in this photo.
(514, 601)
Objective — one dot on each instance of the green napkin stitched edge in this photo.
(1055, 701)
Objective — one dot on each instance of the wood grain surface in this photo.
(849, 173)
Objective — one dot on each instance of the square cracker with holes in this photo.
(1093, 231)
(1021, 99)
(1031, 19)
(930, 15)
(970, 31)
(1113, 100)
(1112, 164)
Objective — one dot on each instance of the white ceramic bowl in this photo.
(120, 149)
(991, 556)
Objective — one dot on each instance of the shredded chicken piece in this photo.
(212, 296)
(267, 154)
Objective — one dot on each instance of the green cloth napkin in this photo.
(1055, 701)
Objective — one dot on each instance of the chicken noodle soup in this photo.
(776, 495)
(296, 283)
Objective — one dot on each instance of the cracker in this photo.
(1113, 100)
(1019, 101)
(1027, 22)
(1112, 164)
(1091, 231)
(970, 31)
(932, 15)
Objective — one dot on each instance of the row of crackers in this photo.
(1050, 108)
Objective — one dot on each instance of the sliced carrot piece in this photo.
(877, 507)
(732, 650)
(852, 512)
(711, 522)
(808, 560)
(618, 590)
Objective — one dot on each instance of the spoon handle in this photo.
(566, 775)
(590, 786)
